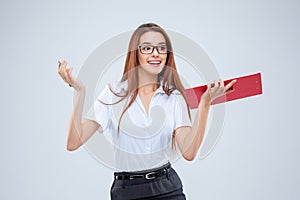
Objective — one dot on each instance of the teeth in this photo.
(154, 62)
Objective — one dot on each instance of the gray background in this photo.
(257, 156)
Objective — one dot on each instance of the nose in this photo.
(155, 52)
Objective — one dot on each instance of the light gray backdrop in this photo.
(257, 156)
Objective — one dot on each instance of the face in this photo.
(152, 63)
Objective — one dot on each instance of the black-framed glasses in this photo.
(148, 49)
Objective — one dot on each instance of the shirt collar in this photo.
(160, 90)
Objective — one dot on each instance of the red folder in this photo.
(245, 86)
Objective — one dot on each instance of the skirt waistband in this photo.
(146, 174)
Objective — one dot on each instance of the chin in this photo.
(156, 71)
(153, 70)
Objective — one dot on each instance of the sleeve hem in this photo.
(94, 120)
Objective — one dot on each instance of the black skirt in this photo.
(159, 183)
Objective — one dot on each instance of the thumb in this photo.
(208, 86)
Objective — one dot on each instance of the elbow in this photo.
(71, 147)
(73, 142)
(189, 157)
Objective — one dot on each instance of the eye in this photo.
(146, 48)
(162, 48)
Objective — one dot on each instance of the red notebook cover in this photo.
(245, 86)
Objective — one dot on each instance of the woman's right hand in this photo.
(65, 74)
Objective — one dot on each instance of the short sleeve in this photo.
(181, 112)
(100, 112)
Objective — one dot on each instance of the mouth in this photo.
(154, 62)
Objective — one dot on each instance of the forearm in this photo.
(74, 136)
(195, 138)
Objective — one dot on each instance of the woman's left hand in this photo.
(216, 89)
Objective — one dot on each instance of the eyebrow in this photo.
(151, 43)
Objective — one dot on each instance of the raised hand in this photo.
(216, 89)
(65, 74)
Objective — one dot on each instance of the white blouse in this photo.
(144, 140)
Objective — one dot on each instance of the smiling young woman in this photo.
(155, 107)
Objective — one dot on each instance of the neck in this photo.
(147, 89)
(147, 83)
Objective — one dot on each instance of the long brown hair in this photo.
(168, 77)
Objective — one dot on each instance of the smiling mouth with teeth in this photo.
(154, 62)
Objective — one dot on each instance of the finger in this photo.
(216, 83)
(63, 71)
(69, 78)
(59, 63)
(209, 86)
(69, 70)
(60, 70)
(221, 83)
(230, 91)
(64, 64)
(63, 68)
(229, 85)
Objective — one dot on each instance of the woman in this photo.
(154, 105)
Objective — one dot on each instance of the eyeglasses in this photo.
(148, 49)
